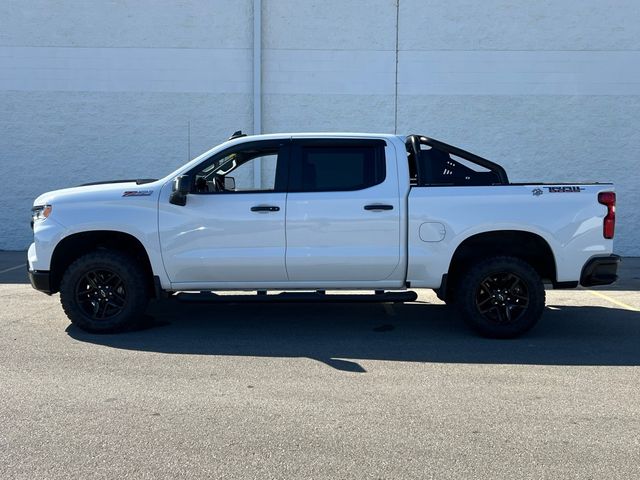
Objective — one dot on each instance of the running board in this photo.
(298, 297)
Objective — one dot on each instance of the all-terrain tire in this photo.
(501, 297)
(104, 291)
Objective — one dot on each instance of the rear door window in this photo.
(343, 166)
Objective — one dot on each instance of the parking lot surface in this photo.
(320, 390)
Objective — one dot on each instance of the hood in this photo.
(138, 181)
(99, 192)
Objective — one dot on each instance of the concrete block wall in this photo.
(548, 89)
(125, 89)
(114, 89)
(329, 65)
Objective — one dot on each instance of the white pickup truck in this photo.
(306, 213)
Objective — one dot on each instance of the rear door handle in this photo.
(375, 207)
(265, 208)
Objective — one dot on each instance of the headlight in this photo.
(40, 212)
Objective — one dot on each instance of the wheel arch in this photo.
(76, 245)
(525, 245)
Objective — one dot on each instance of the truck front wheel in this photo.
(501, 297)
(104, 291)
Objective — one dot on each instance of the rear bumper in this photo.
(40, 280)
(600, 271)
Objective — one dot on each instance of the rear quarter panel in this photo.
(570, 222)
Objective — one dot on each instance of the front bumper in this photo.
(40, 280)
(600, 271)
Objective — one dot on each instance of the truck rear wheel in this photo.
(104, 291)
(501, 297)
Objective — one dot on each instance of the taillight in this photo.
(609, 224)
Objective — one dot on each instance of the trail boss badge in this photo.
(564, 189)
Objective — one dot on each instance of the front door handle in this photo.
(375, 207)
(265, 208)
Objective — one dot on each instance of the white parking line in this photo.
(11, 268)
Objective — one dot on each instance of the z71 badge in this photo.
(564, 189)
(137, 193)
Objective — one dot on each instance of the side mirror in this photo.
(229, 184)
(180, 190)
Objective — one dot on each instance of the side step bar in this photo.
(299, 297)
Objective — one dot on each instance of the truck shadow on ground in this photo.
(341, 334)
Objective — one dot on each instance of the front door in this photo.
(232, 228)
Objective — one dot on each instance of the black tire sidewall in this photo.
(134, 284)
(467, 297)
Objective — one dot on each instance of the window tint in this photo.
(337, 168)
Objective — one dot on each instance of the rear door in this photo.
(343, 211)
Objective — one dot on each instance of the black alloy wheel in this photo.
(105, 291)
(502, 297)
(100, 293)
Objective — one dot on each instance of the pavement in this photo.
(321, 391)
